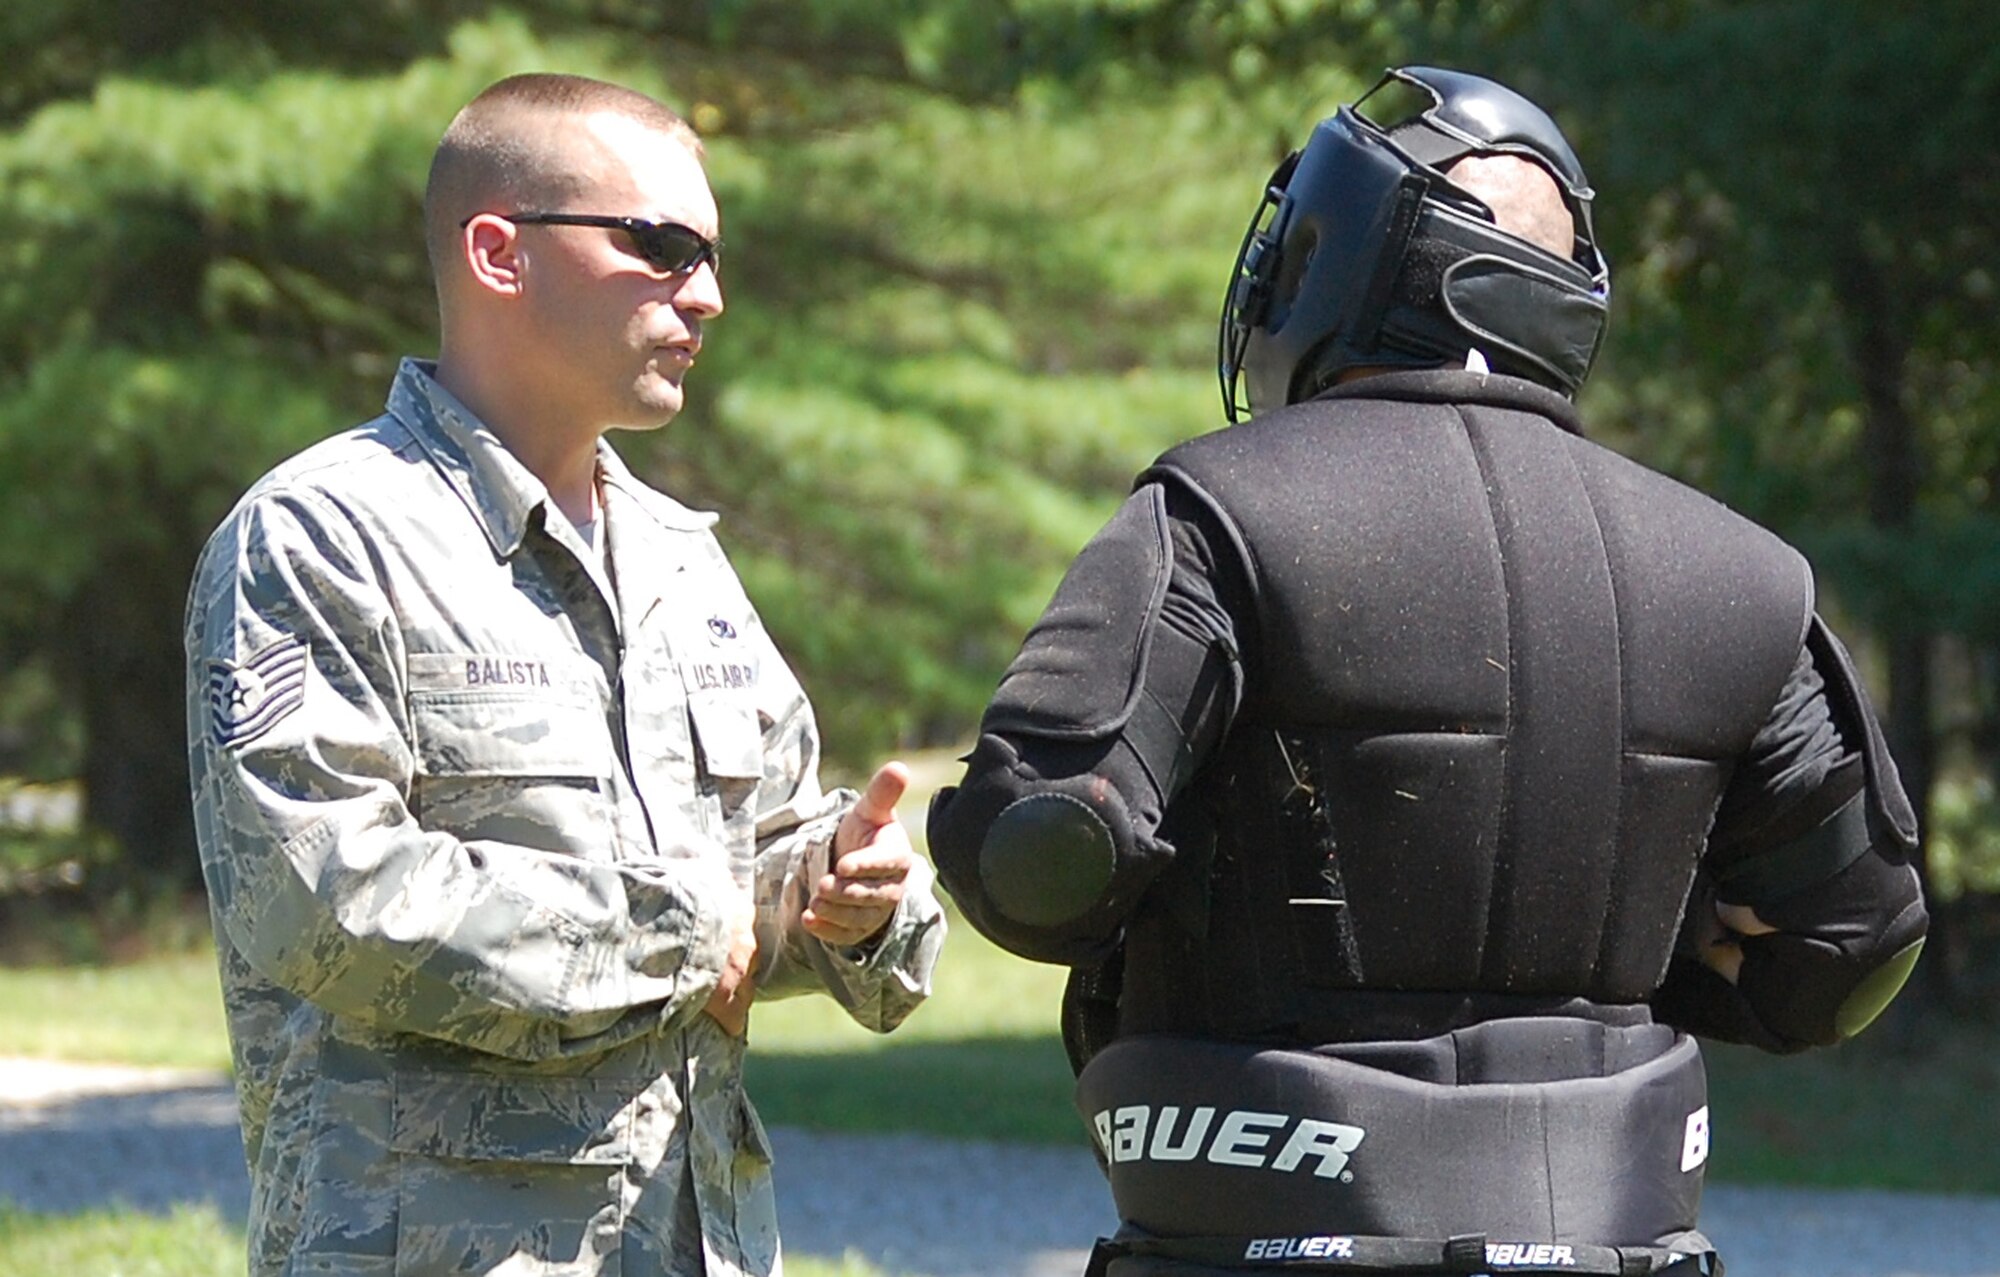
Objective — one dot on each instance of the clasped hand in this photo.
(850, 904)
(1721, 947)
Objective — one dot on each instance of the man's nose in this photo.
(700, 293)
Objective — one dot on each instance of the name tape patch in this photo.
(506, 671)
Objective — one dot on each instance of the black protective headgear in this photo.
(1364, 253)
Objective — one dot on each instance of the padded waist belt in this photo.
(1598, 1136)
(1469, 1256)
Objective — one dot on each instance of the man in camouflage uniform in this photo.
(508, 806)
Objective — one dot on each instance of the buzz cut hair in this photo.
(1524, 197)
(499, 153)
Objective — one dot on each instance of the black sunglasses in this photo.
(668, 247)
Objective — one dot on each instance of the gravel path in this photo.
(74, 1136)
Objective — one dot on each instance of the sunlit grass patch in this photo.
(849, 1265)
(164, 1011)
(981, 1059)
(194, 1241)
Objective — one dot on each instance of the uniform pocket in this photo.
(729, 735)
(730, 740)
(338, 1221)
(520, 1171)
(473, 733)
(516, 767)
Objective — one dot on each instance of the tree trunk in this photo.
(121, 658)
(1880, 350)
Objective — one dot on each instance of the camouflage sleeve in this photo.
(323, 879)
(878, 986)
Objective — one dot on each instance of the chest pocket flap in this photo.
(729, 734)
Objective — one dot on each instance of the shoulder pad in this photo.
(1892, 823)
(1081, 668)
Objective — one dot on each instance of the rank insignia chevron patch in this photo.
(247, 700)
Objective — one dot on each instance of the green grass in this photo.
(989, 1025)
(1908, 1108)
(197, 1242)
(1905, 1106)
(814, 1266)
(192, 1242)
(981, 1059)
(165, 1011)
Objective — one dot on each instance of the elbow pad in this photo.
(1043, 867)
(1050, 841)
(1846, 904)
(1048, 858)
(1841, 952)
(1844, 949)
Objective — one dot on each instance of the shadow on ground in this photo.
(149, 1149)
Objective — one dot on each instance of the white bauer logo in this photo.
(1243, 1137)
(1300, 1248)
(1694, 1144)
(1528, 1255)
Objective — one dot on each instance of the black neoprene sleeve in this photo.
(1187, 694)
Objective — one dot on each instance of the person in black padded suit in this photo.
(1405, 777)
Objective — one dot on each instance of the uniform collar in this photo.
(501, 493)
(1456, 386)
(664, 510)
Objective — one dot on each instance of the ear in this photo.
(492, 249)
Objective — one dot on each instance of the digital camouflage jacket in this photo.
(471, 801)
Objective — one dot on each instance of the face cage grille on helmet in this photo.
(1248, 297)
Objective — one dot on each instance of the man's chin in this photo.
(656, 406)
(641, 426)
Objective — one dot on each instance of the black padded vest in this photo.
(1496, 678)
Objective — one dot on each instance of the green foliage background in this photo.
(975, 252)
(972, 259)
